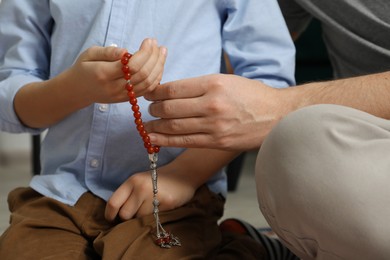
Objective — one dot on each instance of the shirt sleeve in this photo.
(297, 18)
(257, 42)
(25, 28)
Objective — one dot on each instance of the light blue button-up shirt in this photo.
(98, 147)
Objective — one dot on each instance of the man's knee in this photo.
(294, 138)
(313, 169)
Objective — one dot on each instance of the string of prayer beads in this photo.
(163, 238)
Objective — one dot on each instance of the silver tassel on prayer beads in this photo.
(163, 238)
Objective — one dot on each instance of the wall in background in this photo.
(12, 143)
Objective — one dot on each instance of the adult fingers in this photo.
(200, 140)
(178, 108)
(180, 126)
(185, 88)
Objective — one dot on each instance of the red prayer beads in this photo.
(133, 101)
(163, 238)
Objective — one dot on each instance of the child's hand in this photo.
(147, 66)
(97, 74)
(135, 196)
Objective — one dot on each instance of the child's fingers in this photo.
(155, 76)
(142, 71)
(115, 203)
(98, 53)
(141, 57)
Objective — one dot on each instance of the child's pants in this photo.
(43, 228)
(323, 183)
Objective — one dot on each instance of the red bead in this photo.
(159, 241)
(133, 101)
(143, 133)
(131, 94)
(127, 76)
(146, 139)
(137, 114)
(125, 69)
(129, 87)
(128, 55)
(140, 127)
(167, 239)
(150, 150)
(124, 60)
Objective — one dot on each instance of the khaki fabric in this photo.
(43, 228)
(323, 183)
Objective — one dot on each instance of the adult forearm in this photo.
(370, 93)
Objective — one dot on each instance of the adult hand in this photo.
(215, 111)
(134, 197)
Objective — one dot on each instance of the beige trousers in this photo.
(323, 183)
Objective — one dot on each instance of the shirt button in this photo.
(94, 163)
(103, 107)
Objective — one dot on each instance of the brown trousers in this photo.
(43, 228)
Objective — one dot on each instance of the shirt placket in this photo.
(101, 113)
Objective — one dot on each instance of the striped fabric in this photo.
(275, 249)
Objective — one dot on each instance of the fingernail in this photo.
(148, 41)
(164, 51)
